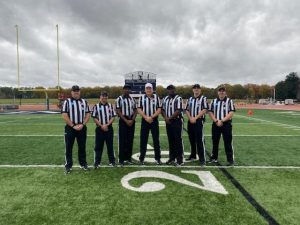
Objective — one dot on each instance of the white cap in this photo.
(149, 85)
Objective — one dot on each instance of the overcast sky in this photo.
(183, 42)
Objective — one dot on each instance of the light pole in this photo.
(274, 94)
(57, 44)
(18, 57)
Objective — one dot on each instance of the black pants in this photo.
(101, 137)
(226, 131)
(80, 136)
(126, 135)
(174, 132)
(196, 137)
(145, 128)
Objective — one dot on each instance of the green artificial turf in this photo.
(47, 196)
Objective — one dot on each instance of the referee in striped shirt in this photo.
(126, 110)
(196, 108)
(149, 107)
(76, 114)
(172, 113)
(104, 115)
(221, 112)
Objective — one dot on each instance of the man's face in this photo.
(149, 91)
(75, 94)
(196, 91)
(171, 91)
(126, 91)
(103, 99)
(221, 94)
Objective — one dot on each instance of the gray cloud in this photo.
(210, 42)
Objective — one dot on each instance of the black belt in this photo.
(102, 124)
(128, 117)
(176, 119)
(226, 122)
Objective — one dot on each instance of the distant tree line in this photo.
(289, 88)
(237, 91)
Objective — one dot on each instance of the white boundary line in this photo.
(235, 135)
(268, 121)
(155, 166)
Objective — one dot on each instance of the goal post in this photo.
(30, 89)
(18, 65)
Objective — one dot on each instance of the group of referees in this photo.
(76, 113)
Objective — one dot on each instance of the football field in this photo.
(263, 187)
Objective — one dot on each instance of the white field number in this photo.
(209, 182)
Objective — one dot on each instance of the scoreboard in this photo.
(138, 79)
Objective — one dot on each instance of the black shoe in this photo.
(230, 164)
(85, 167)
(129, 162)
(158, 162)
(68, 170)
(121, 164)
(213, 161)
(112, 164)
(142, 162)
(202, 164)
(170, 162)
(97, 166)
(179, 164)
(191, 159)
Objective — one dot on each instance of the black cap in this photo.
(196, 86)
(171, 87)
(104, 94)
(127, 86)
(75, 88)
(221, 88)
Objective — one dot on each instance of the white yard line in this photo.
(236, 135)
(154, 166)
(259, 123)
(31, 135)
(286, 112)
(268, 121)
(8, 121)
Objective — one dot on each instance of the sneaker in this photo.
(158, 162)
(191, 159)
(142, 162)
(213, 161)
(97, 166)
(202, 164)
(230, 164)
(85, 167)
(121, 164)
(130, 162)
(179, 164)
(112, 164)
(170, 162)
(68, 170)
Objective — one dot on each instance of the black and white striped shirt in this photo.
(195, 105)
(76, 109)
(149, 105)
(170, 105)
(126, 104)
(221, 108)
(103, 112)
